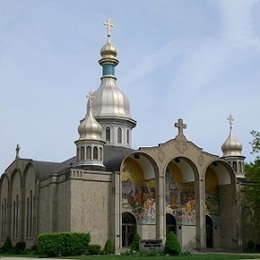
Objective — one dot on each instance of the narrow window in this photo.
(95, 153)
(235, 166)
(82, 153)
(27, 217)
(31, 213)
(127, 137)
(88, 152)
(119, 135)
(108, 134)
(100, 153)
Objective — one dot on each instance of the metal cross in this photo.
(230, 119)
(90, 97)
(109, 25)
(180, 125)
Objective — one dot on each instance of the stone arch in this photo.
(220, 203)
(29, 201)
(181, 197)
(4, 201)
(16, 203)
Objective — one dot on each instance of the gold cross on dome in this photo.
(109, 25)
(230, 119)
(180, 125)
(90, 97)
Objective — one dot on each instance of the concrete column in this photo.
(200, 214)
(160, 211)
(115, 212)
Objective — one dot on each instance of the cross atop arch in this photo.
(180, 125)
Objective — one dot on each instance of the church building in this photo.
(113, 191)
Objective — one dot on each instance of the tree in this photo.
(172, 245)
(252, 171)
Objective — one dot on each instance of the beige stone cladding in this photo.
(91, 204)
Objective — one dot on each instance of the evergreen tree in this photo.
(172, 245)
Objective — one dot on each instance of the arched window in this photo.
(127, 137)
(170, 224)
(100, 153)
(95, 153)
(240, 167)
(108, 134)
(82, 153)
(88, 152)
(119, 135)
(234, 165)
(128, 229)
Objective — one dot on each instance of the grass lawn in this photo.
(190, 257)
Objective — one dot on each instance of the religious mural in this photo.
(212, 196)
(138, 194)
(179, 197)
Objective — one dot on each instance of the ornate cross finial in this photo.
(230, 119)
(90, 97)
(17, 149)
(109, 25)
(180, 125)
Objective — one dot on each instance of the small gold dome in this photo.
(108, 51)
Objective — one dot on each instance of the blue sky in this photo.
(196, 60)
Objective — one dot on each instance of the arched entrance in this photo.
(170, 224)
(128, 229)
(209, 232)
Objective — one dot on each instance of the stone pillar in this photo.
(160, 216)
(200, 214)
(115, 212)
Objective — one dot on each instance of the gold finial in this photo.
(180, 125)
(90, 97)
(109, 25)
(17, 149)
(230, 119)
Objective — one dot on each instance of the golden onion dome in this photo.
(89, 128)
(231, 147)
(108, 51)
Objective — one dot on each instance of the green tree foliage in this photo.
(108, 248)
(93, 249)
(7, 246)
(252, 172)
(135, 243)
(172, 245)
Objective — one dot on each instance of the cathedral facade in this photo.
(113, 191)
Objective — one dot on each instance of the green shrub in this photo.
(251, 245)
(108, 248)
(135, 243)
(19, 247)
(93, 249)
(62, 243)
(172, 245)
(7, 246)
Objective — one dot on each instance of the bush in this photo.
(172, 245)
(7, 246)
(63, 243)
(19, 247)
(108, 248)
(93, 249)
(135, 243)
(251, 245)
